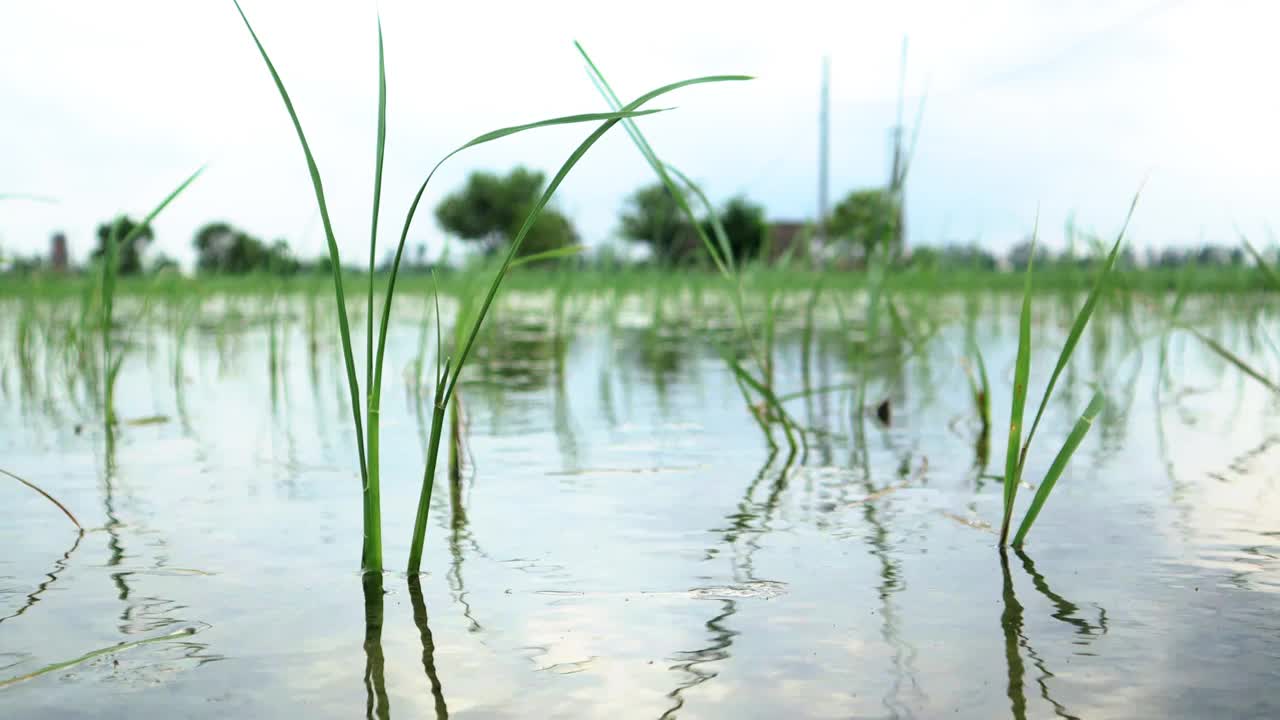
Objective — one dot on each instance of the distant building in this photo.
(58, 252)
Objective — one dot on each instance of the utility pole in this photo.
(824, 151)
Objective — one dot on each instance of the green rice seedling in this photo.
(111, 362)
(1016, 453)
(447, 378)
(721, 254)
(447, 375)
(980, 388)
(1059, 464)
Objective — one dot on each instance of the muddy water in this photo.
(622, 543)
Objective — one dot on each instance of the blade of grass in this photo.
(109, 262)
(723, 259)
(110, 265)
(375, 393)
(651, 157)
(96, 653)
(335, 262)
(47, 496)
(1234, 359)
(624, 113)
(1272, 278)
(451, 380)
(772, 400)
(1021, 374)
(984, 387)
(722, 238)
(1077, 327)
(547, 255)
(1059, 464)
(373, 488)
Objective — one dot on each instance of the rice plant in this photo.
(448, 371)
(721, 253)
(112, 361)
(1016, 453)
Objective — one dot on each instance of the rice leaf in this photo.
(1272, 278)
(1234, 359)
(722, 263)
(547, 255)
(377, 202)
(625, 112)
(1021, 374)
(1059, 464)
(1077, 327)
(46, 496)
(446, 389)
(722, 237)
(372, 488)
(335, 259)
(376, 392)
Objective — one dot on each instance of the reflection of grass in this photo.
(50, 578)
(1016, 641)
(428, 646)
(55, 667)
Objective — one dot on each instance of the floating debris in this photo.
(884, 412)
(148, 420)
(759, 589)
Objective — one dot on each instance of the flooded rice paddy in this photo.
(621, 542)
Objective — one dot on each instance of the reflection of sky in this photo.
(1065, 107)
(605, 572)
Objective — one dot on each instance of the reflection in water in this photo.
(377, 703)
(375, 681)
(1015, 638)
(721, 638)
(747, 525)
(757, 531)
(1064, 610)
(891, 583)
(428, 646)
(458, 524)
(113, 525)
(51, 577)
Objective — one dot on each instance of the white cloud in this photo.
(107, 106)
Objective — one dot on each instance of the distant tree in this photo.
(1020, 255)
(947, 257)
(129, 253)
(163, 264)
(652, 216)
(1219, 255)
(552, 231)
(866, 219)
(221, 248)
(281, 260)
(745, 227)
(491, 208)
(19, 265)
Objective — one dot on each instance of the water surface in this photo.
(623, 544)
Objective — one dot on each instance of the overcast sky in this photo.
(1069, 106)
